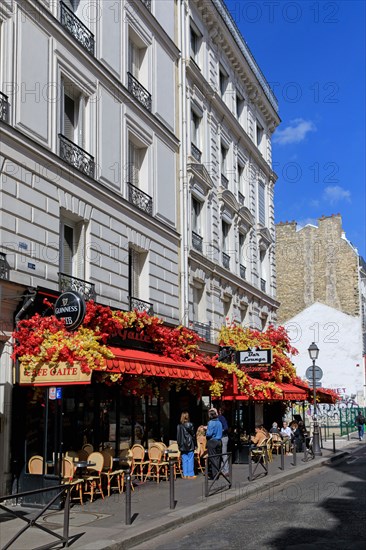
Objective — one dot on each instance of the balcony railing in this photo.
(139, 92)
(224, 182)
(147, 4)
(263, 285)
(140, 199)
(196, 153)
(68, 282)
(140, 305)
(242, 271)
(197, 241)
(4, 107)
(76, 28)
(4, 267)
(202, 329)
(241, 198)
(76, 156)
(226, 260)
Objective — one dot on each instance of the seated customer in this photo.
(274, 429)
(259, 437)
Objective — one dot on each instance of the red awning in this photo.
(131, 361)
(288, 392)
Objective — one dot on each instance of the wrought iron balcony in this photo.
(76, 156)
(197, 241)
(76, 28)
(4, 267)
(196, 153)
(202, 329)
(263, 285)
(4, 107)
(226, 260)
(68, 282)
(224, 182)
(140, 199)
(147, 4)
(241, 198)
(242, 271)
(139, 92)
(140, 305)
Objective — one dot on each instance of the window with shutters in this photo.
(72, 248)
(261, 203)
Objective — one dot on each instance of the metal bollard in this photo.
(128, 498)
(321, 437)
(230, 458)
(347, 431)
(282, 456)
(171, 483)
(250, 465)
(334, 447)
(294, 455)
(206, 476)
(67, 517)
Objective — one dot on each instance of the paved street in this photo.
(324, 507)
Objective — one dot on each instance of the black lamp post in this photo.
(313, 353)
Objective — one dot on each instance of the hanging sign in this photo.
(70, 306)
(254, 360)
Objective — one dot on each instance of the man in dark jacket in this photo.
(360, 424)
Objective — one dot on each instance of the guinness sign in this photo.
(70, 307)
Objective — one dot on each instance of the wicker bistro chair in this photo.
(200, 453)
(112, 476)
(277, 442)
(173, 452)
(269, 448)
(88, 447)
(93, 478)
(35, 465)
(158, 467)
(68, 477)
(139, 463)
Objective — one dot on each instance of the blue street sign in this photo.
(58, 393)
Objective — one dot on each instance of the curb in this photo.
(191, 513)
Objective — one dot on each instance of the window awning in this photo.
(131, 361)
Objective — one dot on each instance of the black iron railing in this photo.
(196, 153)
(76, 156)
(4, 107)
(4, 266)
(140, 199)
(139, 92)
(76, 28)
(242, 271)
(147, 4)
(226, 260)
(197, 242)
(263, 285)
(140, 305)
(202, 329)
(241, 198)
(67, 282)
(224, 181)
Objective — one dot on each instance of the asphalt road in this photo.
(324, 508)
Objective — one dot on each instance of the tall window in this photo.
(196, 215)
(223, 81)
(136, 164)
(137, 276)
(241, 184)
(259, 134)
(134, 59)
(72, 248)
(199, 306)
(239, 105)
(195, 128)
(242, 249)
(224, 155)
(73, 114)
(261, 203)
(225, 229)
(195, 42)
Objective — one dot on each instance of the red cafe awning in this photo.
(131, 361)
(288, 392)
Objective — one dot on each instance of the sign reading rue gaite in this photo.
(70, 307)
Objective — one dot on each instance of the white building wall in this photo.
(339, 339)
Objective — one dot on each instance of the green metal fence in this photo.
(347, 419)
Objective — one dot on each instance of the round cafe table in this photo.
(83, 464)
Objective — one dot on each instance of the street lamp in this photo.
(313, 353)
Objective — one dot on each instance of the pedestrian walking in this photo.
(214, 444)
(186, 445)
(224, 441)
(360, 425)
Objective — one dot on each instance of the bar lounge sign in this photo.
(254, 360)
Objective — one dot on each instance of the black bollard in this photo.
(334, 447)
(250, 465)
(321, 437)
(282, 456)
(67, 516)
(347, 431)
(171, 483)
(128, 498)
(294, 455)
(206, 476)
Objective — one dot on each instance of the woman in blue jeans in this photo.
(186, 445)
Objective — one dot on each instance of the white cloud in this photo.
(295, 132)
(335, 193)
(306, 221)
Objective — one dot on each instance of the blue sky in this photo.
(313, 55)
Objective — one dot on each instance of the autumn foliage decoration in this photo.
(240, 338)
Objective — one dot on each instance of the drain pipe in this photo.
(31, 297)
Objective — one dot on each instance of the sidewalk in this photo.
(101, 525)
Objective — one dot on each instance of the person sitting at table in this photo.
(274, 429)
(259, 437)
